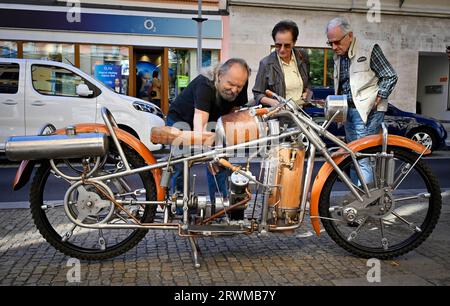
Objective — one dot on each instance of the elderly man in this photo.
(362, 72)
(205, 99)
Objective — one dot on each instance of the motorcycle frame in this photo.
(304, 124)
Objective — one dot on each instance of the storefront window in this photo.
(316, 61)
(183, 68)
(8, 49)
(108, 64)
(50, 51)
(321, 72)
(179, 67)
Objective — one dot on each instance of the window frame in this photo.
(95, 89)
(18, 78)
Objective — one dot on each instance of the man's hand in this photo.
(269, 101)
(377, 102)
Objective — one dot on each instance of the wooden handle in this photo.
(261, 111)
(269, 93)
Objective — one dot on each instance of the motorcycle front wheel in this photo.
(394, 227)
(47, 194)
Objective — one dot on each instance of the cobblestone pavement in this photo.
(163, 258)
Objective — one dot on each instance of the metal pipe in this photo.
(210, 153)
(106, 115)
(274, 228)
(308, 178)
(325, 153)
(133, 202)
(186, 192)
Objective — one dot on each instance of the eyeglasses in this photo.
(336, 42)
(286, 46)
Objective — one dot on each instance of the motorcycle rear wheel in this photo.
(391, 225)
(46, 201)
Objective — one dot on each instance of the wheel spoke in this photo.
(384, 240)
(101, 240)
(67, 235)
(354, 234)
(411, 225)
(423, 195)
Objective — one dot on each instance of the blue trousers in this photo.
(221, 177)
(355, 128)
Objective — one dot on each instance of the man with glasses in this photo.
(286, 70)
(364, 75)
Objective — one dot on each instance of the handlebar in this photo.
(273, 95)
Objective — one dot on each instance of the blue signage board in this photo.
(108, 23)
(110, 75)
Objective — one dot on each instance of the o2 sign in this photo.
(149, 25)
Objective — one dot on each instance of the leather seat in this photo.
(170, 135)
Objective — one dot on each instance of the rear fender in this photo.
(23, 174)
(355, 146)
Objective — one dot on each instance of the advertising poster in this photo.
(144, 78)
(110, 75)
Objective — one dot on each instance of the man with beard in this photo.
(210, 95)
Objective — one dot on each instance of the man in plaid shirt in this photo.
(364, 75)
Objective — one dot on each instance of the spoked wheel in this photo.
(393, 225)
(90, 206)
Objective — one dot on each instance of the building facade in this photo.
(120, 42)
(413, 35)
(132, 38)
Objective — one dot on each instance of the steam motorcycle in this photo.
(114, 191)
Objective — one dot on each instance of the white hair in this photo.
(340, 22)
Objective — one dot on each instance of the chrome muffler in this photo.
(56, 146)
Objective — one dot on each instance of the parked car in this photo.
(424, 130)
(36, 92)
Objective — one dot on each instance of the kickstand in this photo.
(195, 250)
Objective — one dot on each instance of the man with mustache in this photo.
(210, 95)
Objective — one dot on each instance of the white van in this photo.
(36, 92)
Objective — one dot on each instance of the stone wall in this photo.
(401, 39)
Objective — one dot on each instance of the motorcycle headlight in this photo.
(146, 107)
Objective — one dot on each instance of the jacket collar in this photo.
(273, 60)
(352, 48)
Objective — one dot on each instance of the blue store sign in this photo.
(108, 23)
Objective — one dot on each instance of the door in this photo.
(11, 100)
(52, 98)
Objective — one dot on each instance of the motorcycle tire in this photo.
(116, 241)
(421, 212)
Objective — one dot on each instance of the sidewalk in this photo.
(163, 258)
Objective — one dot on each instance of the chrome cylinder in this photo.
(56, 146)
(336, 104)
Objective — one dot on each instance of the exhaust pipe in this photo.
(56, 146)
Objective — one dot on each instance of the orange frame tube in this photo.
(355, 146)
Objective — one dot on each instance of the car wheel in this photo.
(305, 141)
(424, 137)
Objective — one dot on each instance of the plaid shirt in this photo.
(382, 68)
